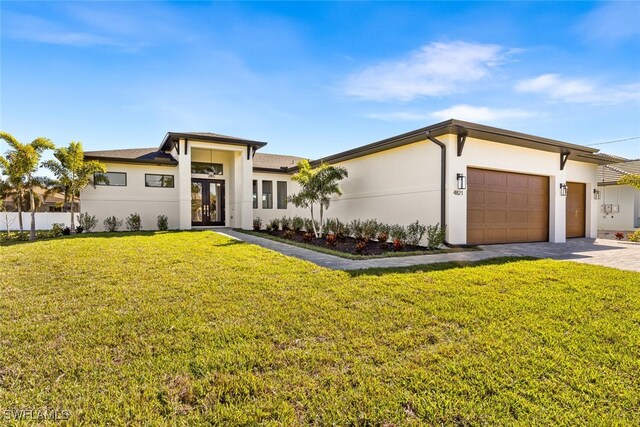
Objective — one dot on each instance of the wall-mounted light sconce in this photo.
(462, 181)
(596, 194)
(563, 189)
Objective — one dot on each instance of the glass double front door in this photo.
(207, 202)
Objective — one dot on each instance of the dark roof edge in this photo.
(125, 160)
(453, 126)
(283, 169)
(233, 141)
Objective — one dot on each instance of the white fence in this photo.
(44, 220)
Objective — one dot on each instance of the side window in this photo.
(267, 195)
(282, 195)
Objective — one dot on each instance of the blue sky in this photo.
(313, 79)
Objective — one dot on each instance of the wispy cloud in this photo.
(462, 112)
(436, 69)
(580, 91)
(612, 21)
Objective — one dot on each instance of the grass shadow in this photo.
(439, 266)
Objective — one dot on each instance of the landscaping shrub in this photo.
(56, 229)
(274, 225)
(308, 225)
(361, 245)
(634, 237)
(112, 224)
(331, 239)
(399, 236)
(257, 223)
(285, 223)
(436, 236)
(297, 223)
(356, 228)
(619, 235)
(415, 232)
(66, 231)
(369, 229)
(382, 234)
(134, 223)
(87, 222)
(79, 230)
(163, 223)
(307, 236)
(288, 234)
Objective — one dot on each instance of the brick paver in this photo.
(609, 253)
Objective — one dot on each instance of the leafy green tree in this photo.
(316, 188)
(73, 173)
(632, 180)
(20, 164)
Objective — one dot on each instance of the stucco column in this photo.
(184, 184)
(456, 200)
(243, 197)
(557, 209)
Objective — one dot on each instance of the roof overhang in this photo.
(156, 161)
(473, 130)
(172, 137)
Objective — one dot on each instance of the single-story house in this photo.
(488, 185)
(619, 204)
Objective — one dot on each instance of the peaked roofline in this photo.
(172, 137)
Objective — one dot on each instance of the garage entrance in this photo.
(576, 209)
(506, 207)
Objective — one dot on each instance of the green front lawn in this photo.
(192, 328)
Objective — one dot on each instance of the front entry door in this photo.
(576, 207)
(207, 202)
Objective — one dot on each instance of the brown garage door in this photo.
(504, 207)
(576, 198)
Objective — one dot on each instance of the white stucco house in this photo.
(619, 204)
(488, 185)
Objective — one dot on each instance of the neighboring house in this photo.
(488, 185)
(53, 202)
(619, 204)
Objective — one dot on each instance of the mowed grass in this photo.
(192, 328)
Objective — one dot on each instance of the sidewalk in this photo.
(625, 256)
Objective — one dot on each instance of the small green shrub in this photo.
(285, 223)
(415, 232)
(56, 229)
(436, 236)
(356, 228)
(399, 236)
(163, 223)
(369, 229)
(274, 225)
(112, 224)
(634, 237)
(297, 223)
(87, 222)
(257, 223)
(134, 223)
(382, 233)
(308, 225)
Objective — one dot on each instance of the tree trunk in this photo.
(73, 226)
(313, 223)
(19, 197)
(32, 232)
(321, 211)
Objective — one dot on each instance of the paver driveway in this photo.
(609, 253)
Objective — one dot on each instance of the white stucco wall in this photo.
(149, 202)
(628, 201)
(508, 158)
(268, 214)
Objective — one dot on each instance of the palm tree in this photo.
(73, 173)
(632, 180)
(19, 165)
(317, 186)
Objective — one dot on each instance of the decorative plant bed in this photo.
(347, 247)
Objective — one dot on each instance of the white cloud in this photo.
(398, 116)
(479, 114)
(579, 91)
(612, 21)
(435, 69)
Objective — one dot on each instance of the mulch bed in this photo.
(347, 244)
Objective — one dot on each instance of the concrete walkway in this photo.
(622, 255)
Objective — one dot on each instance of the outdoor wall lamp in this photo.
(462, 181)
(563, 189)
(596, 194)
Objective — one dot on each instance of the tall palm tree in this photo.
(73, 173)
(20, 164)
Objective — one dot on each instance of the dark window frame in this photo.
(204, 164)
(104, 184)
(255, 193)
(279, 206)
(268, 202)
(173, 180)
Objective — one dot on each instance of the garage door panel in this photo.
(506, 207)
